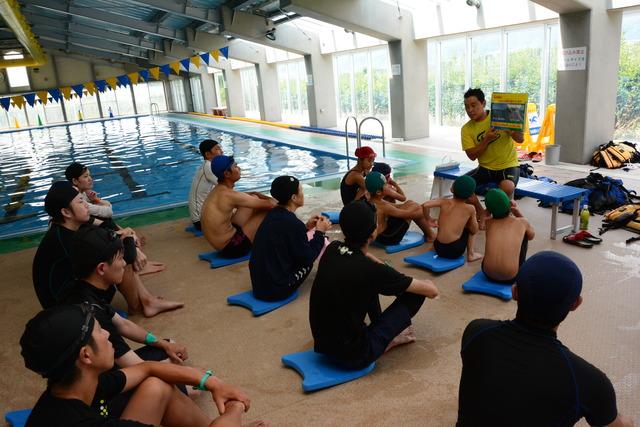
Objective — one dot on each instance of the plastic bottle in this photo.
(584, 218)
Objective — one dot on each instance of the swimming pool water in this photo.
(138, 164)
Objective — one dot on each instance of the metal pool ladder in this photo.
(157, 109)
(358, 134)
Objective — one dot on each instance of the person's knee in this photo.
(507, 186)
(156, 390)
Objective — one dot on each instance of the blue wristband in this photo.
(150, 339)
(206, 376)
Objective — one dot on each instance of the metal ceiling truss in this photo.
(107, 56)
(181, 8)
(98, 45)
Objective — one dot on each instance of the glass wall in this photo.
(292, 82)
(362, 85)
(221, 92)
(157, 95)
(178, 95)
(141, 94)
(196, 94)
(521, 59)
(628, 99)
(124, 100)
(108, 103)
(250, 92)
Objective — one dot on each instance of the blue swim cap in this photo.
(221, 164)
(548, 284)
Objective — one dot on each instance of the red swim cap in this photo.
(365, 152)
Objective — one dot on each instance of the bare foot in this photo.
(152, 267)
(258, 423)
(159, 305)
(405, 337)
(473, 256)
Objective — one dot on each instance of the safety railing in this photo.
(157, 109)
(359, 134)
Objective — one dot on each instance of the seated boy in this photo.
(394, 191)
(98, 264)
(508, 233)
(68, 347)
(283, 253)
(457, 224)
(347, 287)
(394, 219)
(230, 218)
(203, 180)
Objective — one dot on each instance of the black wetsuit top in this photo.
(348, 192)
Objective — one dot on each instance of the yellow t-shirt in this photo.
(500, 154)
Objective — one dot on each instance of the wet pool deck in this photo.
(414, 385)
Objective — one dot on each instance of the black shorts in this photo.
(454, 249)
(484, 176)
(238, 246)
(197, 225)
(395, 231)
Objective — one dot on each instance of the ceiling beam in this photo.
(48, 44)
(108, 18)
(98, 45)
(181, 8)
(239, 4)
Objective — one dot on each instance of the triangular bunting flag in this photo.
(215, 55)
(113, 82)
(90, 87)
(31, 98)
(155, 72)
(144, 74)
(133, 78)
(42, 94)
(196, 61)
(78, 89)
(66, 91)
(165, 69)
(55, 94)
(175, 66)
(101, 85)
(5, 102)
(185, 63)
(123, 80)
(225, 52)
(205, 58)
(18, 100)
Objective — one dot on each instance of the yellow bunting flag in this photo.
(66, 92)
(133, 77)
(195, 60)
(215, 54)
(175, 66)
(155, 72)
(90, 87)
(43, 95)
(18, 100)
(113, 82)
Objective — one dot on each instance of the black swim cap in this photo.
(358, 220)
(283, 187)
(58, 197)
(52, 339)
(90, 246)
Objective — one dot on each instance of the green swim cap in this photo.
(374, 182)
(463, 187)
(498, 203)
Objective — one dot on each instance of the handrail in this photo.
(157, 108)
(346, 136)
(384, 151)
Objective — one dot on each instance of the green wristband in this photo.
(201, 386)
(150, 338)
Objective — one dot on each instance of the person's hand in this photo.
(312, 222)
(491, 135)
(516, 136)
(92, 196)
(128, 232)
(140, 262)
(515, 210)
(224, 393)
(323, 224)
(176, 352)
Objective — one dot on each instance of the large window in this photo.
(221, 92)
(519, 59)
(178, 95)
(628, 100)
(157, 96)
(362, 85)
(250, 92)
(196, 94)
(17, 76)
(293, 92)
(108, 103)
(141, 94)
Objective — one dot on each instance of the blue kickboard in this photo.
(410, 240)
(334, 217)
(192, 229)
(430, 260)
(480, 283)
(17, 418)
(122, 314)
(258, 307)
(216, 261)
(318, 371)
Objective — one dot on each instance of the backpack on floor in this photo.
(627, 216)
(615, 154)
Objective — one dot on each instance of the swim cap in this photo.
(58, 197)
(365, 152)
(74, 170)
(52, 339)
(374, 182)
(498, 203)
(283, 188)
(383, 168)
(358, 220)
(463, 187)
(548, 283)
(221, 164)
(90, 246)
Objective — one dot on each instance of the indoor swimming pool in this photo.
(139, 164)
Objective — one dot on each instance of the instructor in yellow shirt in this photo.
(494, 149)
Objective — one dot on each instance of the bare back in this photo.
(502, 248)
(217, 211)
(455, 216)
